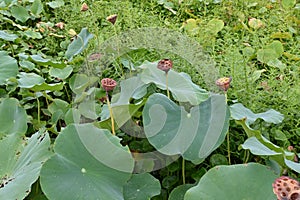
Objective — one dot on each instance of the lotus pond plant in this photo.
(71, 134)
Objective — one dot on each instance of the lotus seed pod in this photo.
(286, 188)
(108, 84)
(165, 65)
(224, 83)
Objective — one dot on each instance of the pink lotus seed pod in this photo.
(286, 188)
(112, 19)
(165, 65)
(108, 84)
(224, 83)
(84, 7)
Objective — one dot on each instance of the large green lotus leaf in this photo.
(8, 67)
(21, 164)
(172, 130)
(141, 187)
(180, 84)
(239, 111)
(89, 163)
(235, 182)
(13, 118)
(29, 80)
(79, 43)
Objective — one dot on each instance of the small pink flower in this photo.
(165, 65)
(224, 83)
(112, 19)
(108, 84)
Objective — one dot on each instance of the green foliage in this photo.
(50, 94)
(83, 159)
(234, 182)
(166, 126)
(141, 187)
(21, 165)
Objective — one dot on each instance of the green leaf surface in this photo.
(214, 26)
(56, 4)
(38, 59)
(13, 118)
(90, 109)
(27, 64)
(141, 187)
(257, 148)
(89, 163)
(79, 83)
(276, 63)
(61, 73)
(31, 34)
(19, 13)
(250, 181)
(129, 87)
(259, 145)
(179, 84)
(270, 54)
(8, 36)
(288, 4)
(239, 111)
(36, 7)
(21, 162)
(179, 192)
(194, 135)
(29, 80)
(123, 113)
(79, 43)
(8, 67)
(72, 116)
(50, 87)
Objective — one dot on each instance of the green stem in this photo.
(111, 115)
(183, 171)
(228, 139)
(247, 157)
(39, 110)
(168, 92)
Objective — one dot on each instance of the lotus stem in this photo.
(183, 171)
(111, 115)
(228, 137)
(168, 92)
